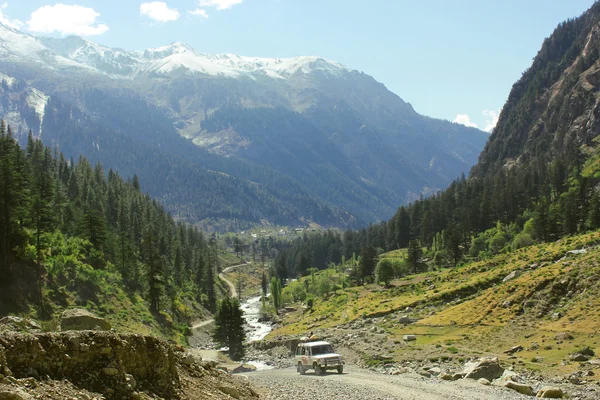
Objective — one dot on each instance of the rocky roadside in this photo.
(364, 344)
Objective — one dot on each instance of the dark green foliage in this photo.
(14, 195)
(384, 272)
(229, 327)
(42, 196)
(275, 289)
(366, 265)
(414, 256)
(264, 284)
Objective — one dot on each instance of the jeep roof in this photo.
(312, 344)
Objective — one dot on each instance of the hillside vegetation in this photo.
(71, 235)
(525, 297)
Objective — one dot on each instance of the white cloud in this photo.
(492, 119)
(159, 11)
(219, 4)
(464, 119)
(11, 23)
(66, 19)
(200, 12)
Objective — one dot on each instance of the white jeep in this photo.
(318, 356)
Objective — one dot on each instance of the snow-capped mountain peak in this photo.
(169, 50)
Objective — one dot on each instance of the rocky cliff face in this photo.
(553, 109)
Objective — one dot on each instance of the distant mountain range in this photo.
(230, 141)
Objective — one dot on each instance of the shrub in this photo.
(384, 272)
(310, 302)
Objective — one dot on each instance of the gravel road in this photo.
(360, 384)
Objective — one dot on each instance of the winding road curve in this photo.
(232, 292)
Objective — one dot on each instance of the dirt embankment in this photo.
(107, 365)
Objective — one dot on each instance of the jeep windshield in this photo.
(325, 349)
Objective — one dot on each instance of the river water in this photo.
(255, 330)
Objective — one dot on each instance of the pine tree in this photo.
(414, 256)
(93, 226)
(229, 327)
(42, 194)
(13, 198)
(210, 288)
(367, 263)
(154, 270)
(275, 289)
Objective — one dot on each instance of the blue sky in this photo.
(447, 58)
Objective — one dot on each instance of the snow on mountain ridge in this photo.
(74, 51)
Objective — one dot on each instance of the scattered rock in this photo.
(409, 338)
(511, 276)
(14, 394)
(514, 349)
(404, 320)
(424, 373)
(484, 381)
(18, 324)
(586, 351)
(577, 252)
(507, 376)
(579, 357)
(487, 368)
(435, 371)
(233, 392)
(243, 369)
(549, 392)
(520, 387)
(564, 336)
(79, 319)
(189, 359)
(457, 376)
(446, 376)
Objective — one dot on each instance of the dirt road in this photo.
(232, 293)
(359, 384)
(232, 290)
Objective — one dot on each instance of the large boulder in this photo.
(487, 368)
(79, 319)
(511, 276)
(549, 392)
(563, 336)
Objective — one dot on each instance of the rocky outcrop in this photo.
(79, 319)
(104, 362)
(107, 365)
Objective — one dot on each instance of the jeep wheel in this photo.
(318, 369)
(340, 369)
(301, 369)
